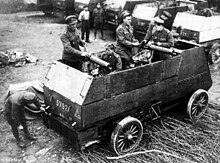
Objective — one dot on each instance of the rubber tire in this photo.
(123, 123)
(190, 103)
(211, 51)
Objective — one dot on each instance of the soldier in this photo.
(98, 15)
(125, 40)
(160, 37)
(84, 16)
(72, 55)
(114, 60)
(14, 112)
(164, 16)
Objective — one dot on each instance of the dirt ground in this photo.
(39, 35)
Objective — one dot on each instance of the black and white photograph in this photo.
(109, 81)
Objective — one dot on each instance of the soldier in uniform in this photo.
(114, 60)
(164, 16)
(98, 15)
(14, 112)
(72, 55)
(125, 40)
(160, 37)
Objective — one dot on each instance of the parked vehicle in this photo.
(90, 110)
(203, 31)
(63, 8)
(45, 5)
(60, 8)
(193, 4)
(114, 8)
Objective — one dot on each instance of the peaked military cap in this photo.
(70, 19)
(158, 20)
(29, 96)
(124, 14)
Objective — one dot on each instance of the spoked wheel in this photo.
(127, 135)
(197, 104)
(214, 54)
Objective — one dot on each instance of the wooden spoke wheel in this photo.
(197, 104)
(214, 54)
(126, 136)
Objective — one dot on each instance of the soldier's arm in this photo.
(170, 41)
(15, 111)
(149, 32)
(37, 103)
(94, 13)
(118, 62)
(68, 48)
(121, 38)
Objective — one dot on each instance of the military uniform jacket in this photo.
(14, 105)
(164, 37)
(98, 15)
(124, 37)
(149, 31)
(71, 42)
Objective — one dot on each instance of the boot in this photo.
(21, 143)
(29, 137)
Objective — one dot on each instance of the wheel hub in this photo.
(129, 136)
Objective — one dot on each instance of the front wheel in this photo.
(127, 135)
(197, 104)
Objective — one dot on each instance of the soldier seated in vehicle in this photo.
(160, 37)
(114, 60)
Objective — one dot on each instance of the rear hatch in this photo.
(65, 91)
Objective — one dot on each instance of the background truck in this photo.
(203, 30)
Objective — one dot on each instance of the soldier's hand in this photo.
(85, 54)
(135, 44)
(83, 42)
(42, 108)
(158, 43)
(150, 43)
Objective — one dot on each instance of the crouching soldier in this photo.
(14, 112)
(114, 60)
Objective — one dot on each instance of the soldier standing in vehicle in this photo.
(164, 16)
(160, 37)
(84, 17)
(98, 15)
(72, 55)
(14, 112)
(125, 40)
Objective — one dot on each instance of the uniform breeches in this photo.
(85, 29)
(98, 25)
(125, 57)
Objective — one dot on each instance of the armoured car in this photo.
(88, 110)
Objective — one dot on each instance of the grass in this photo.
(169, 139)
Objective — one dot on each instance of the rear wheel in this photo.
(197, 104)
(214, 54)
(126, 136)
